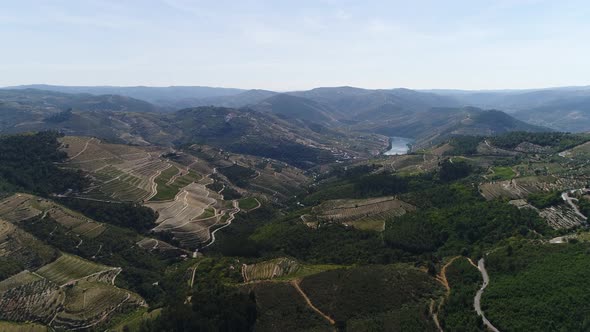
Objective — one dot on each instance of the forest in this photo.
(28, 163)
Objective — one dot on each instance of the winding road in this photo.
(569, 200)
(227, 223)
(477, 300)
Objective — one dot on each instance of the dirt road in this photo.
(295, 284)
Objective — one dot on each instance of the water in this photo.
(399, 145)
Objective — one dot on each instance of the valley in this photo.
(263, 212)
(305, 166)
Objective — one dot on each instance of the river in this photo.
(399, 145)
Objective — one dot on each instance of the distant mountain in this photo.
(515, 100)
(438, 124)
(349, 102)
(302, 128)
(163, 96)
(570, 114)
(248, 131)
(27, 98)
(30, 108)
(293, 107)
(246, 98)
(564, 109)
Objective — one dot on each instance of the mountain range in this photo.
(561, 108)
(303, 127)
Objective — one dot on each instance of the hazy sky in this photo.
(284, 45)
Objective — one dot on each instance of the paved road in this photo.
(569, 200)
(477, 300)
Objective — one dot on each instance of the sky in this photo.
(300, 44)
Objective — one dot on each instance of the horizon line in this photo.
(298, 90)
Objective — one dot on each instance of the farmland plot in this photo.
(18, 207)
(360, 213)
(171, 180)
(68, 268)
(184, 216)
(269, 269)
(17, 280)
(22, 249)
(38, 300)
(27, 206)
(88, 303)
(522, 187)
(70, 293)
(122, 172)
(282, 184)
(561, 217)
(172, 184)
(22, 327)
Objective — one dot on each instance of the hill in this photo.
(436, 125)
(567, 114)
(563, 108)
(292, 107)
(246, 98)
(352, 102)
(163, 96)
(272, 131)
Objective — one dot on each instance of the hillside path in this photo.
(295, 284)
(83, 149)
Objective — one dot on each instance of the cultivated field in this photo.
(269, 269)
(171, 180)
(172, 184)
(121, 172)
(182, 216)
(522, 187)
(19, 279)
(561, 217)
(22, 327)
(69, 293)
(68, 269)
(22, 249)
(20, 207)
(360, 213)
(38, 300)
(88, 303)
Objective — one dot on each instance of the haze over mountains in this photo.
(272, 124)
(562, 108)
(393, 112)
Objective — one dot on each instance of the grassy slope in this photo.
(248, 203)
(168, 191)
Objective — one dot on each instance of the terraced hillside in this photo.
(269, 269)
(21, 207)
(20, 251)
(360, 213)
(145, 174)
(190, 215)
(524, 186)
(270, 178)
(121, 172)
(69, 293)
(190, 190)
